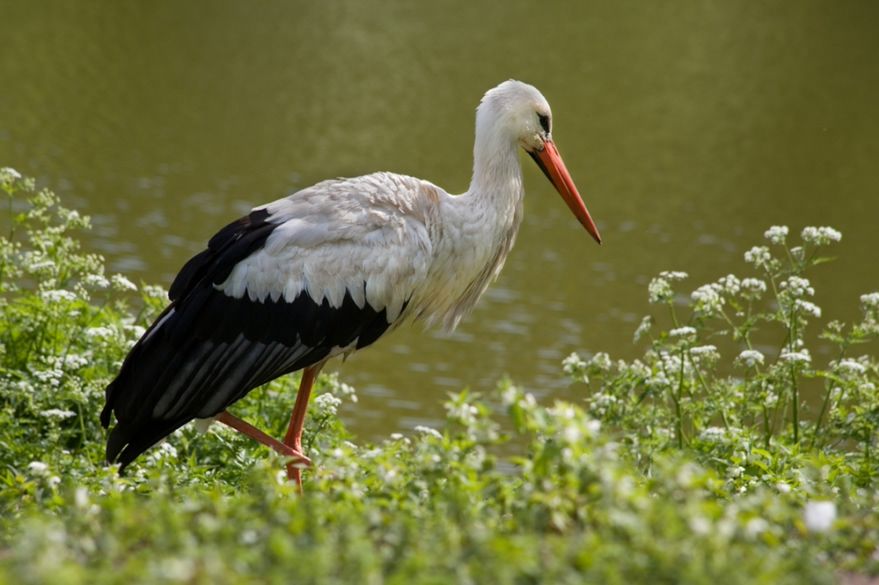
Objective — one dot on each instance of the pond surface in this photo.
(689, 127)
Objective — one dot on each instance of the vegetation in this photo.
(700, 462)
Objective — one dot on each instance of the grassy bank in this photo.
(698, 462)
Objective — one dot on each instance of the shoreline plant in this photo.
(698, 462)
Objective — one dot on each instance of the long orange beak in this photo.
(550, 162)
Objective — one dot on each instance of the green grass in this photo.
(699, 462)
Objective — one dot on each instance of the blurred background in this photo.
(690, 127)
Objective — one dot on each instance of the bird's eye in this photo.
(544, 122)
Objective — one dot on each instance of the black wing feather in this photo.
(208, 350)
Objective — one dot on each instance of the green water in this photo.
(689, 128)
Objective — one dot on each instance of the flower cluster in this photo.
(708, 300)
(759, 256)
(660, 290)
(820, 236)
(750, 358)
(797, 287)
(800, 357)
(776, 234)
(753, 288)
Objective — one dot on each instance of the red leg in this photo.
(254, 433)
(293, 438)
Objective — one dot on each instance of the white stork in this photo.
(327, 271)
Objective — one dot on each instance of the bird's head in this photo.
(518, 112)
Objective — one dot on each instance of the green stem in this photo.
(680, 425)
(795, 401)
(826, 403)
(674, 315)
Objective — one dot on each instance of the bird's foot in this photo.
(298, 460)
(292, 451)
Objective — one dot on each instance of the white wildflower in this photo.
(673, 275)
(601, 361)
(734, 471)
(759, 256)
(672, 362)
(428, 431)
(820, 236)
(572, 433)
(249, 537)
(573, 364)
(797, 286)
(808, 308)
(685, 331)
(871, 300)
(75, 361)
(388, 475)
(52, 377)
(658, 380)
(700, 525)
(95, 281)
(713, 434)
(644, 327)
(753, 288)
(346, 390)
(637, 368)
(99, 332)
(328, 403)
(705, 352)
(819, 516)
(9, 174)
(601, 402)
(510, 396)
(771, 399)
(136, 331)
(796, 357)
(851, 366)
(161, 451)
(57, 296)
(730, 284)
(755, 527)
(776, 234)
(750, 358)
(57, 413)
(562, 410)
(659, 290)
(38, 468)
(783, 487)
(81, 497)
(155, 291)
(707, 298)
(36, 263)
(121, 283)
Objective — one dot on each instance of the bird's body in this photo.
(324, 272)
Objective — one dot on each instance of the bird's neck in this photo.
(497, 175)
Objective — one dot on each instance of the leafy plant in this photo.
(729, 369)
(680, 467)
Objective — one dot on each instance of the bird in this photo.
(325, 272)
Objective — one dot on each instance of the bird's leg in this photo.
(254, 433)
(293, 438)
